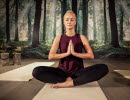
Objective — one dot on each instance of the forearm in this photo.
(57, 56)
(84, 55)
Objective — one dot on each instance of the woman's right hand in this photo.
(69, 48)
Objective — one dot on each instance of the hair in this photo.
(70, 11)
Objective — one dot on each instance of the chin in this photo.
(70, 28)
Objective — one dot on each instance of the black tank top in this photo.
(70, 64)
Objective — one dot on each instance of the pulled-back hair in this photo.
(70, 11)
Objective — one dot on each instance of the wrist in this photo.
(67, 54)
(73, 53)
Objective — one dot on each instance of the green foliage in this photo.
(125, 44)
(2, 44)
(19, 43)
(41, 51)
(12, 46)
(95, 43)
(107, 51)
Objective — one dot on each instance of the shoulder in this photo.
(83, 37)
(58, 37)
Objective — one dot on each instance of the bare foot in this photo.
(65, 84)
(68, 79)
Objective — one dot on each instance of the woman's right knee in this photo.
(36, 71)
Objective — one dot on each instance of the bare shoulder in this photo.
(83, 38)
(57, 38)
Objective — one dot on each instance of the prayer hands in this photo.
(70, 48)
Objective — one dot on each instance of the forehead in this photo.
(69, 15)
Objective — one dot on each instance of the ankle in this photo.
(70, 83)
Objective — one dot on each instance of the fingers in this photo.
(70, 42)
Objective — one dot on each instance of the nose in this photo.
(69, 21)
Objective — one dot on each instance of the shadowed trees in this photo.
(35, 40)
(44, 21)
(113, 24)
(94, 20)
(54, 28)
(7, 22)
(16, 20)
(85, 17)
(74, 7)
(29, 17)
(121, 24)
(105, 22)
(63, 10)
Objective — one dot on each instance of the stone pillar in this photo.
(17, 59)
(4, 59)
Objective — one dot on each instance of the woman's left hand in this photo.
(72, 47)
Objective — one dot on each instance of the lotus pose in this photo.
(70, 71)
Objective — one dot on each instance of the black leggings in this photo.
(82, 76)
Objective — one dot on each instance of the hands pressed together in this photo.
(70, 48)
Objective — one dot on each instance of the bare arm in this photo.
(54, 48)
(89, 53)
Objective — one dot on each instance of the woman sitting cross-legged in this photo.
(71, 71)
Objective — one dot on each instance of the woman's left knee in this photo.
(104, 68)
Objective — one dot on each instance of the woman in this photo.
(70, 71)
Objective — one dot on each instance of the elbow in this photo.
(49, 57)
(92, 57)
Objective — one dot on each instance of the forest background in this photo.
(30, 26)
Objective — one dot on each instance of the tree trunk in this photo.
(85, 17)
(94, 20)
(16, 21)
(54, 28)
(29, 25)
(114, 32)
(7, 22)
(121, 24)
(44, 22)
(63, 11)
(105, 23)
(74, 6)
(35, 41)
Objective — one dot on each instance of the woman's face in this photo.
(69, 21)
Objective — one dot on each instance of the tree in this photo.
(44, 22)
(114, 32)
(54, 28)
(7, 22)
(105, 22)
(74, 6)
(63, 11)
(16, 20)
(35, 41)
(121, 24)
(94, 20)
(85, 17)
(29, 25)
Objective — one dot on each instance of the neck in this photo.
(70, 32)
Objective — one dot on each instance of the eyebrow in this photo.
(68, 18)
